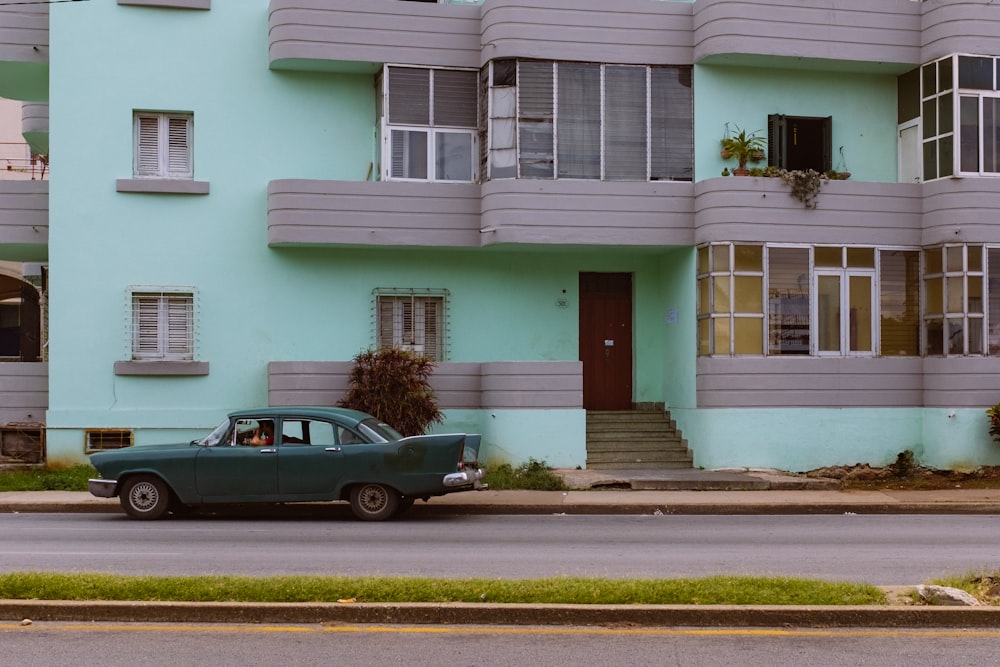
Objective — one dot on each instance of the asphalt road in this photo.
(109, 645)
(879, 549)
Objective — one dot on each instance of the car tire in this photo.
(145, 497)
(374, 502)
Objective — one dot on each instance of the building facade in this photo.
(247, 194)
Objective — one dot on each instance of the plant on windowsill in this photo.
(744, 148)
(804, 184)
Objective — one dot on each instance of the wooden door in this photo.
(606, 340)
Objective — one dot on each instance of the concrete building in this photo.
(247, 194)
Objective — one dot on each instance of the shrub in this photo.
(533, 475)
(392, 384)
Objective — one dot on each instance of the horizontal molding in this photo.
(24, 392)
(169, 4)
(170, 186)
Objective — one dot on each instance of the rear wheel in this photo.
(374, 502)
(145, 497)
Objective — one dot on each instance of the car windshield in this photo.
(216, 436)
(378, 431)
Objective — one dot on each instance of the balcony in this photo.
(24, 220)
(849, 35)
(352, 36)
(959, 26)
(24, 52)
(762, 209)
(35, 126)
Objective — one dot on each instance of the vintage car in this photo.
(280, 455)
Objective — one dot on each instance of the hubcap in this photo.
(143, 496)
(373, 498)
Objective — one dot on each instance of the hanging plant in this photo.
(804, 184)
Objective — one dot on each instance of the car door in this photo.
(310, 458)
(237, 472)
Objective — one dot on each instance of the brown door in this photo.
(31, 324)
(606, 340)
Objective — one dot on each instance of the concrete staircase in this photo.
(635, 440)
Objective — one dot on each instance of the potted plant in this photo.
(745, 148)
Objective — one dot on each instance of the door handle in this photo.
(268, 450)
(332, 449)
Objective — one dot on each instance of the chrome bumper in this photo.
(102, 488)
(466, 478)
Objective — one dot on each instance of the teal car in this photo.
(282, 455)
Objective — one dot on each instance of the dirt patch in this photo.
(904, 474)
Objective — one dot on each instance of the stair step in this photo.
(636, 439)
(647, 457)
(632, 465)
(637, 446)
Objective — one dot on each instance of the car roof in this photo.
(344, 415)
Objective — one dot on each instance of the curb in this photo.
(504, 614)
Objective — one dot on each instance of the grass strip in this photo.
(72, 478)
(717, 590)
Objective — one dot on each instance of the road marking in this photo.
(485, 630)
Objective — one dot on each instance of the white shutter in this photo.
(147, 147)
(409, 96)
(536, 113)
(179, 146)
(179, 329)
(625, 146)
(145, 326)
(163, 326)
(455, 98)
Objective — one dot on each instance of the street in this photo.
(877, 549)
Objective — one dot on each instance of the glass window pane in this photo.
(721, 332)
(720, 303)
(974, 258)
(862, 258)
(975, 72)
(956, 336)
(720, 257)
(703, 259)
(704, 336)
(929, 117)
(935, 296)
(968, 141)
(788, 300)
(703, 297)
(409, 154)
(860, 323)
(975, 335)
(828, 313)
(954, 258)
(826, 256)
(748, 338)
(946, 114)
(929, 79)
(956, 294)
(930, 160)
(991, 134)
(748, 257)
(453, 156)
(579, 128)
(946, 156)
(935, 337)
(944, 74)
(932, 260)
(974, 305)
(899, 302)
(748, 294)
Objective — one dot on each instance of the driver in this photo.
(264, 435)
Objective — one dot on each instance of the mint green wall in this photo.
(863, 107)
(679, 328)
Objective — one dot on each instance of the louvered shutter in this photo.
(625, 146)
(147, 151)
(178, 326)
(671, 124)
(579, 131)
(145, 327)
(178, 146)
(431, 328)
(455, 98)
(409, 96)
(386, 307)
(536, 114)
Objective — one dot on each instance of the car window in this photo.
(307, 432)
(217, 436)
(378, 431)
(348, 437)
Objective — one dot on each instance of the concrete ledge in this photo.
(503, 614)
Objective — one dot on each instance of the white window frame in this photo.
(964, 317)
(432, 130)
(411, 333)
(162, 324)
(163, 145)
(844, 276)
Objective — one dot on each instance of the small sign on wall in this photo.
(672, 315)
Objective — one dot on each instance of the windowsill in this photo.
(172, 186)
(173, 4)
(161, 368)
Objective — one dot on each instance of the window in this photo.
(820, 301)
(307, 432)
(162, 326)
(412, 320)
(162, 144)
(430, 124)
(953, 307)
(100, 440)
(588, 121)
(798, 142)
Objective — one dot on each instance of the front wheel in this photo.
(374, 502)
(145, 497)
